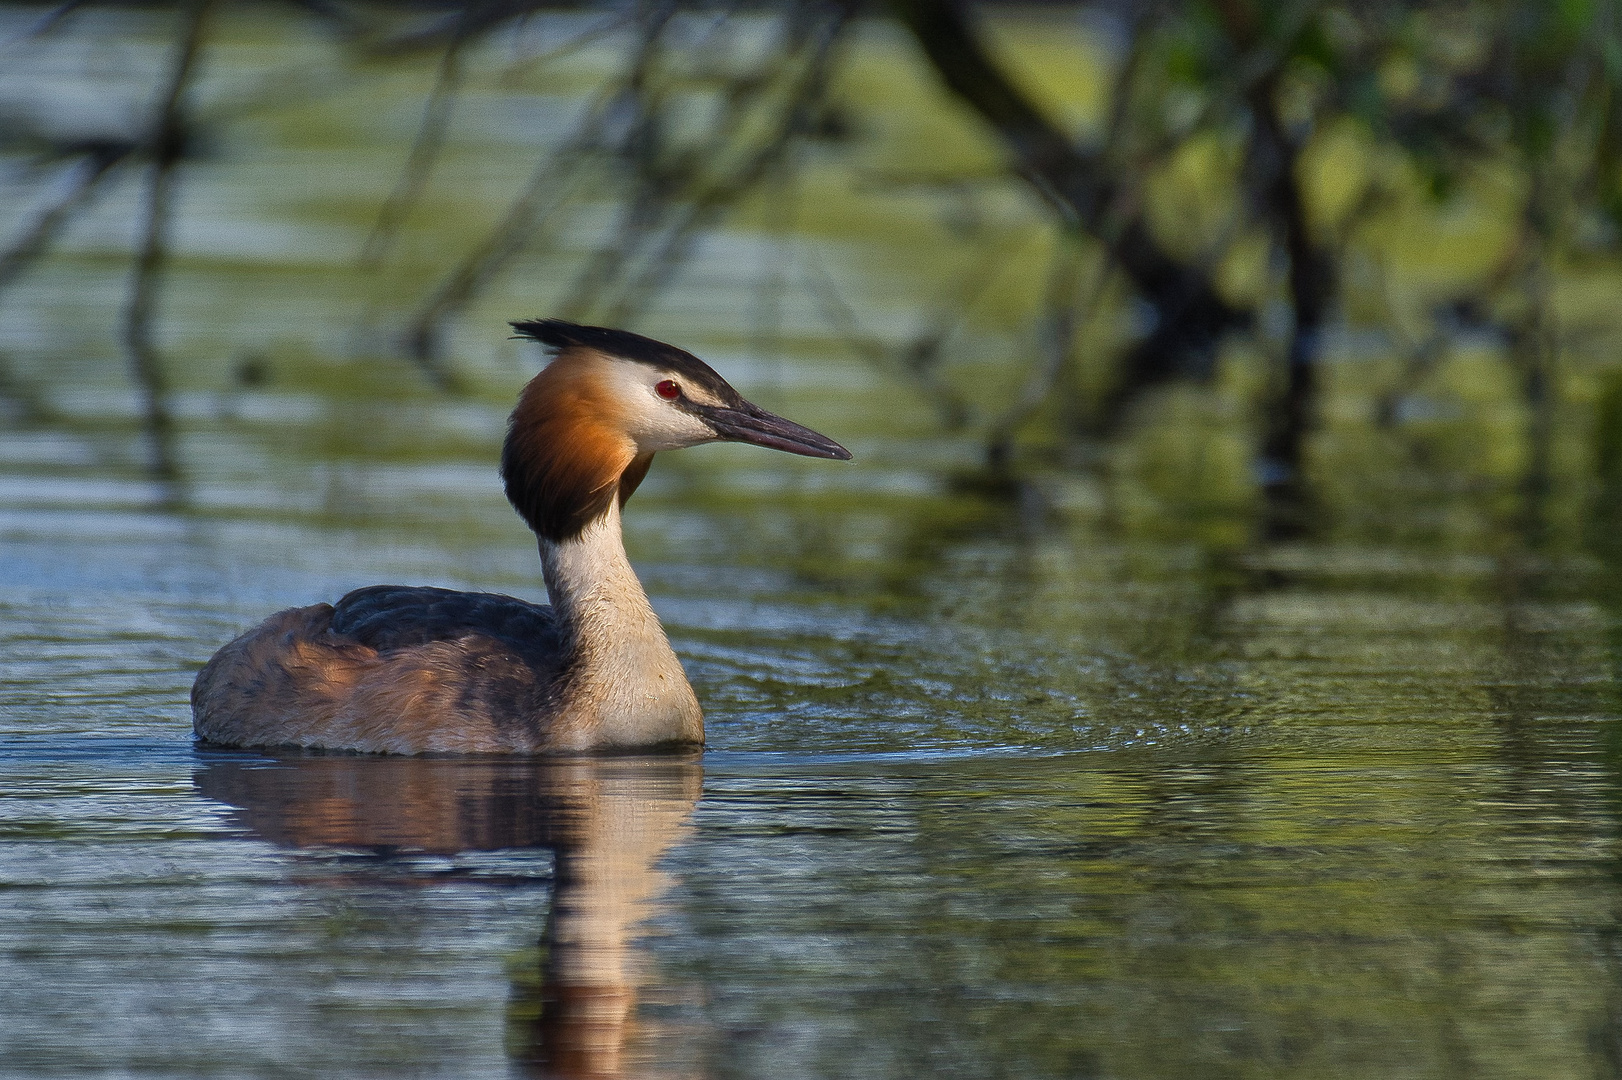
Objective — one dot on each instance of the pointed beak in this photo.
(752, 424)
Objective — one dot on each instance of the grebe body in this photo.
(411, 670)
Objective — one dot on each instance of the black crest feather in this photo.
(628, 346)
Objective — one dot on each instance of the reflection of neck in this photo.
(605, 883)
(589, 990)
(626, 687)
(609, 820)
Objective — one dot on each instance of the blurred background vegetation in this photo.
(1267, 269)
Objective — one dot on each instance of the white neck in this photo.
(626, 686)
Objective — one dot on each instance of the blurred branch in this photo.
(335, 13)
(639, 120)
(675, 198)
(431, 134)
(459, 23)
(1259, 43)
(471, 22)
(475, 18)
(1190, 315)
(1420, 354)
(922, 358)
(552, 185)
(700, 208)
(1065, 310)
(436, 115)
(1312, 290)
(166, 145)
(87, 174)
(1042, 154)
(947, 402)
(549, 188)
(46, 23)
(586, 37)
(1534, 351)
(24, 402)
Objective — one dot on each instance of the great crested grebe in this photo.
(404, 670)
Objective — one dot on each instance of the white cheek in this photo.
(653, 423)
(664, 427)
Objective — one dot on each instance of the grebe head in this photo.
(586, 428)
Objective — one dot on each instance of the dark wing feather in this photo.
(388, 617)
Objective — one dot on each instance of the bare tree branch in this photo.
(88, 173)
(949, 405)
(1064, 311)
(48, 22)
(436, 116)
(1190, 315)
(551, 186)
(166, 145)
(700, 209)
(1276, 190)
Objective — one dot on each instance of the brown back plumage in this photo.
(383, 670)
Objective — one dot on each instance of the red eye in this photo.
(668, 390)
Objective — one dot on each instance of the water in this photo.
(1088, 785)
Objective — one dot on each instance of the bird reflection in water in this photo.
(607, 822)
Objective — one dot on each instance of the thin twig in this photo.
(436, 116)
(87, 173)
(48, 22)
(551, 186)
(557, 52)
(766, 310)
(642, 211)
(166, 146)
(701, 209)
(1065, 311)
(949, 405)
(658, 188)
(28, 404)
